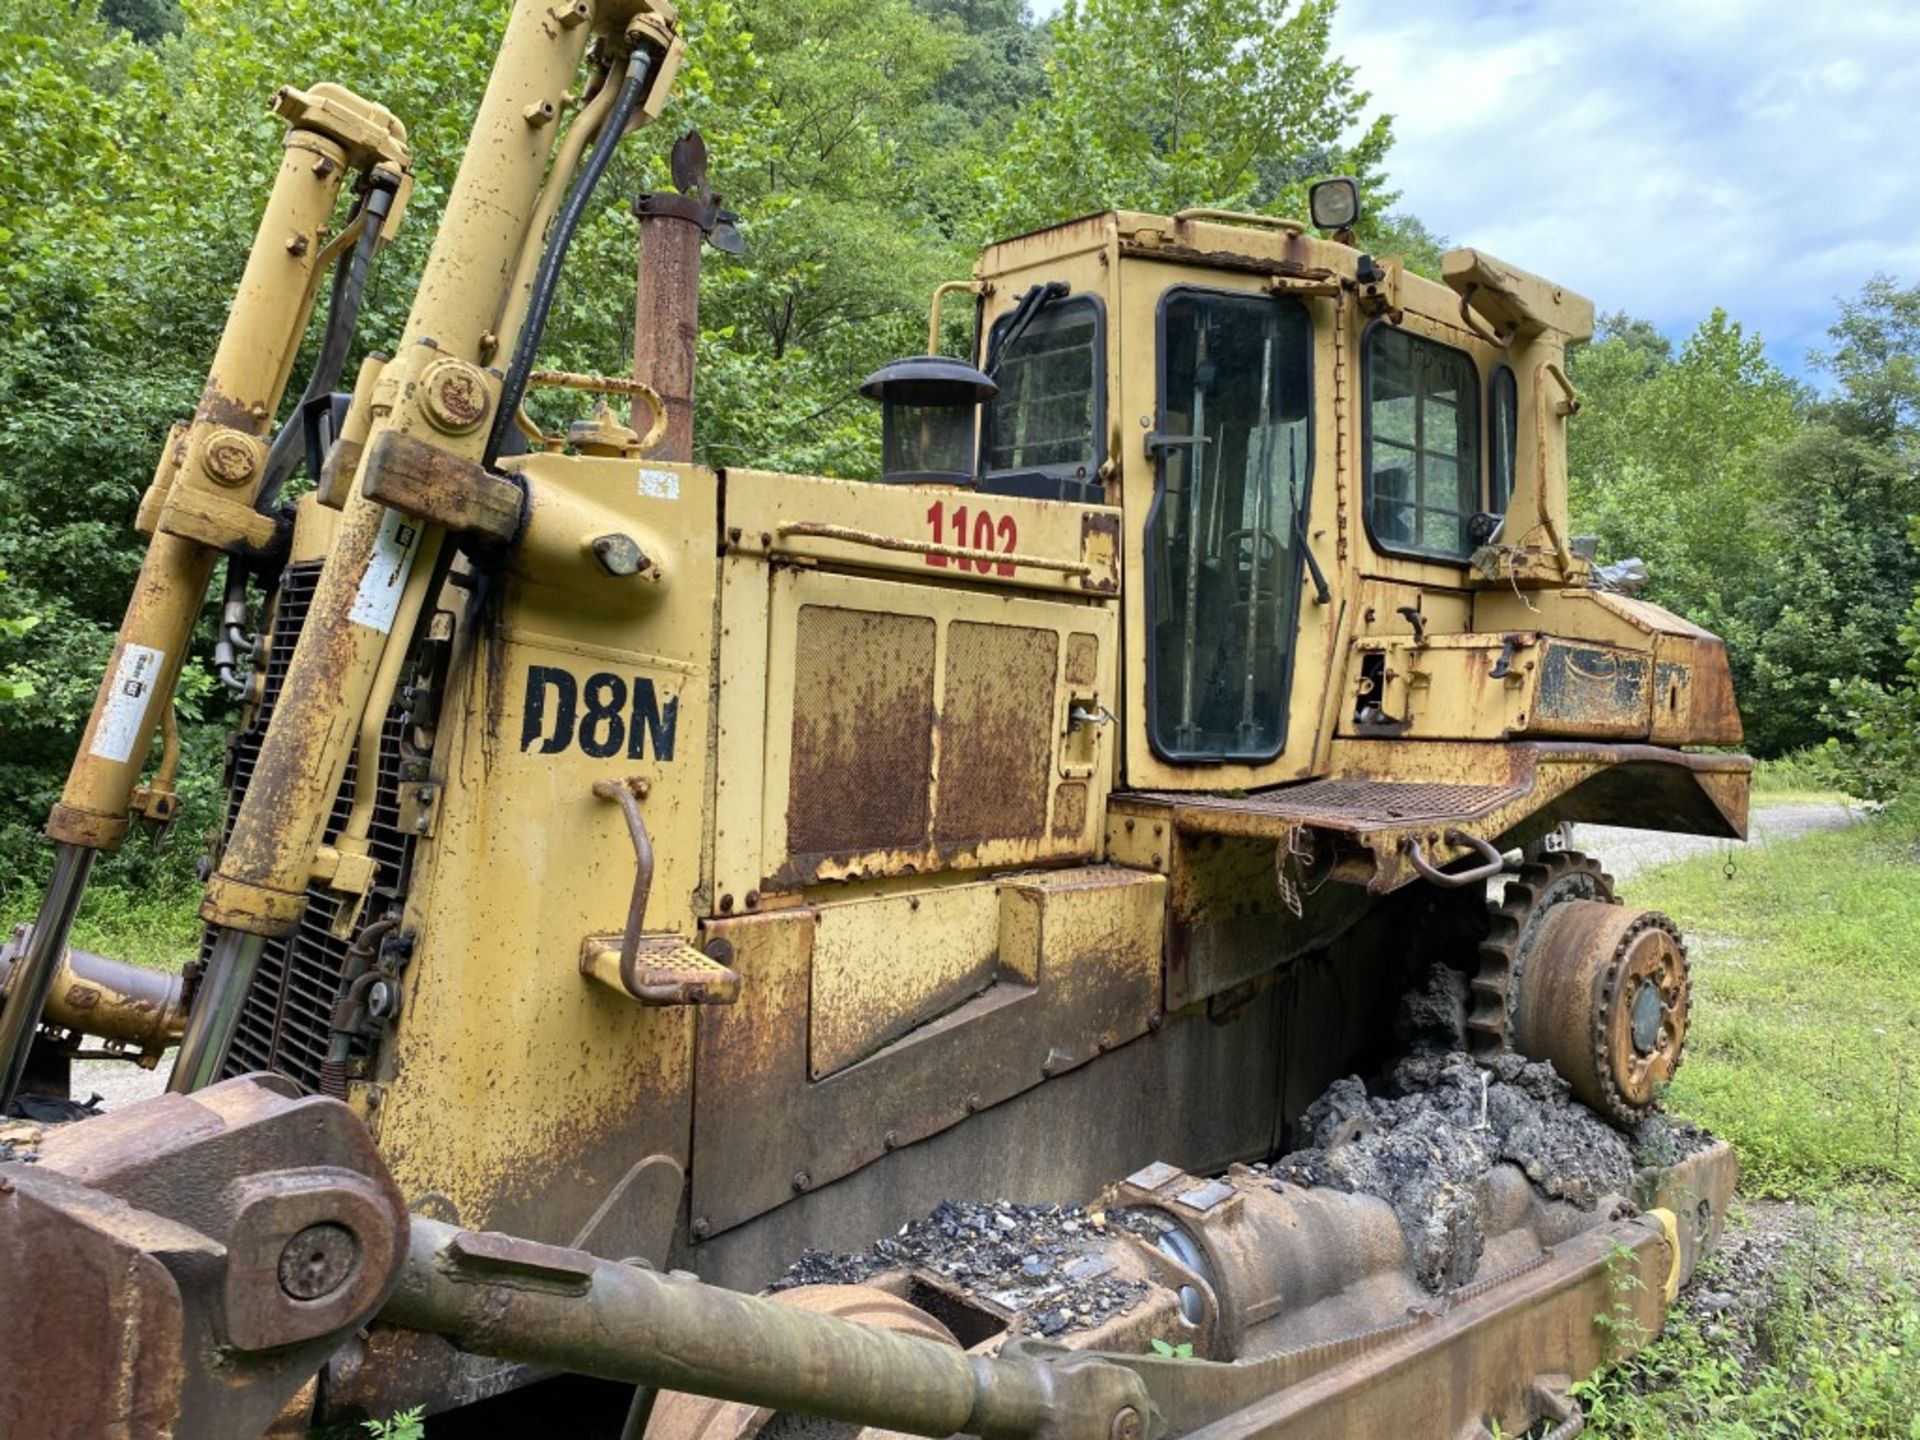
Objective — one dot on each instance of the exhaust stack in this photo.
(666, 328)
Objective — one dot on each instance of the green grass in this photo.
(1805, 1053)
(160, 931)
(1834, 1352)
(1805, 1046)
(1801, 775)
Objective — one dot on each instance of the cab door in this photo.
(1228, 639)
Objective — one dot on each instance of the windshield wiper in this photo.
(1030, 305)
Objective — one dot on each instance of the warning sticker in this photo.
(125, 714)
(660, 484)
(377, 600)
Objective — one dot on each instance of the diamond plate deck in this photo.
(1347, 805)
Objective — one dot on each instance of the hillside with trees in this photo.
(870, 146)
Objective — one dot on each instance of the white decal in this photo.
(377, 600)
(660, 484)
(126, 708)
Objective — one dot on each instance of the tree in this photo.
(1876, 359)
(1167, 104)
(148, 21)
(1777, 521)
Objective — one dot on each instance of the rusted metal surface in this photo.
(438, 488)
(997, 733)
(211, 1251)
(93, 995)
(862, 745)
(658, 970)
(884, 964)
(1239, 907)
(646, 401)
(627, 795)
(1079, 974)
(1480, 1353)
(1364, 825)
(978, 561)
(1591, 690)
(1605, 997)
(1306, 1318)
(666, 323)
(680, 1416)
(1353, 805)
(1513, 934)
(625, 1323)
(74, 1265)
(1491, 861)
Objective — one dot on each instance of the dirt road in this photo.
(1625, 851)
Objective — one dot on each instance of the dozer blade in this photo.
(219, 1247)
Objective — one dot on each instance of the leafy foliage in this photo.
(1773, 519)
(13, 684)
(407, 1425)
(1168, 104)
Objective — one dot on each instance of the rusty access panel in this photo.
(929, 729)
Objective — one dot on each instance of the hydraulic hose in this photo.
(343, 318)
(547, 279)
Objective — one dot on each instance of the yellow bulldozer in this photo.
(1081, 924)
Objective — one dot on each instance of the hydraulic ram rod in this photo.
(495, 1295)
(201, 503)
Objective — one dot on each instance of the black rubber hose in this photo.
(547, 278)
(343, 317)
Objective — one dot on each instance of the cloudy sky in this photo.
(1661, 156)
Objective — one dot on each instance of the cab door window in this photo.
(1423, 444)
(1224, 533)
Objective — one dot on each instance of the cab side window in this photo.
(1043, 429)
(1423, 444)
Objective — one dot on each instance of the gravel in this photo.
(1036, 1261)
(1625, 851)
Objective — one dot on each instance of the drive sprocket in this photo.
(1513, 927)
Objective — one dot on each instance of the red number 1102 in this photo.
(1000, 535)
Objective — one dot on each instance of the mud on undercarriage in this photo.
(1441, 1251)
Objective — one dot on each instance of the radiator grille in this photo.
(283, 1022)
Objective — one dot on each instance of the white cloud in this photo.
(1659, 157)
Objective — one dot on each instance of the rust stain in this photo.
(862, 732)
(997, 732)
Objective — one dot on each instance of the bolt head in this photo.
(229, 458)
(383, 999)
(318, 1261)
(455, 396)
